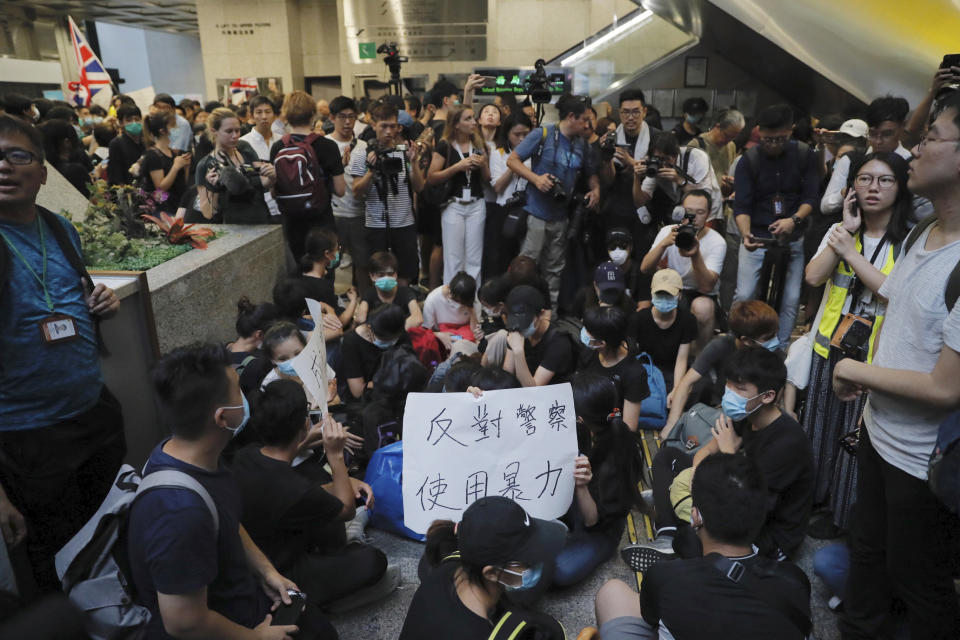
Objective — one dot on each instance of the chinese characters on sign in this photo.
(518, 443)
(311, 363)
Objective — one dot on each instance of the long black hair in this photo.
(903, 206)
(503, 133)
(596, 400)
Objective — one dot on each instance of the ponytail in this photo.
(441, 541)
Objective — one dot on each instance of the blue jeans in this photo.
(583, 552)
(748, 275)
(832, 564)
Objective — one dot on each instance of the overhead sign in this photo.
(513, 80)
(368, 50)
(517, 443)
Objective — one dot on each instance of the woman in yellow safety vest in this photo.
(853, 260)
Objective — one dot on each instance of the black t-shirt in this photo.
(555, 352)
(663, 344)
(328, 156)
(404, 297)
(783, 453)
(155, 159)
(459, 180)
(437, 612)
(586, 298)
(282, 510)
(628, 375)
(681, 134)
(361, 358)
(694, 600)
(246, 206)
(619, 197)
(321, 290)
(124, 151)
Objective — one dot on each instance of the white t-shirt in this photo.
(916, 328)
(866, 296)
(498, 167)
(832, 200)
(347, 206)
(262, 147)
(439, 309)
(699, 168)
(713, 248)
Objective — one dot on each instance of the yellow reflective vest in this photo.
(840, 283)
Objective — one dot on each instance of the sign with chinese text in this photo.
(311, 363)
(517, 443)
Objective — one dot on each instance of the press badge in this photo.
(465, 195)
(778, 205)
(58, 328)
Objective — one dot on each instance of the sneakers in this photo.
(375, 592)
(641, 557)
(356, 526)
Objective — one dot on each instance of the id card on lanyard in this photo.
(55, 327)
(466, 194)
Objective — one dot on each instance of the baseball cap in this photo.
(854, 128)
(610, 282)
(666, 281)
(523, 303)
(496, 530)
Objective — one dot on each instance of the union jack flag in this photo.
(95, 84)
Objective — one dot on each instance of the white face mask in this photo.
(619, 256)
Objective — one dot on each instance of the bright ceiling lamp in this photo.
(617, 31)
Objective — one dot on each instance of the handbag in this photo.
(515, 219)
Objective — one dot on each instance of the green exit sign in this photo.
(368, 50)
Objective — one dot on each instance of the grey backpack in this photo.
(93, 566)
(694, 429)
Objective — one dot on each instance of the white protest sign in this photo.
(517, 443)
(311, 363)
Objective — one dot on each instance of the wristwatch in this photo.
(796, 220)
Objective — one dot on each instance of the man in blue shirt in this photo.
(198, 579)
(776, 188)
(560, 153)
(61, 430)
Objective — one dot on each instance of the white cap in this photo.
(854, 128)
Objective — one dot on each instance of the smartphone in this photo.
(950, 60)
(290, 613)
(489, 81)
(766, 242)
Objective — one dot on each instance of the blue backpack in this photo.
(653, 409)
(385, 477)
(944, 470)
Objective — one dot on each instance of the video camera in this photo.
(386, 164)
(687, 232)
(537, 84)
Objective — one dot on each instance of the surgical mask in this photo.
(383, 344)
(286, 368)
(734, 405)
(694, 119)
(619, 256)
(529, 578)
(664, 303)
(529, 331)
(772, 344)
(134, 128)
(386, 283)
(336, 261)
(586, 339)
(246, 416)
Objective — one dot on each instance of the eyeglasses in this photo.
(346, 116)
(18, 156)
(925, 139)
(884, 182)
(631, 113)
(773, 140)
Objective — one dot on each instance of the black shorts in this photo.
(687, 297)
(402, 242)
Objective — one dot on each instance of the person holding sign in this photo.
(61, 430)
(537, 353)
(281, 344)
(497, 551)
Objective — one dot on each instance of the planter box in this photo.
(194, 296)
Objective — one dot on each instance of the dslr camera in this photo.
(687, 232)
(557, 192)
(654, 164)
(608, 146)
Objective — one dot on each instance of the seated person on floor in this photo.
(282, 343)
(400, 373)
(201, 579)
(609, 289)
(751, 322)
(387, 290)
(665, 331)
(448, 311)
(605, 478)
(619, 244)
(609, 354)
(290, 295)
(693, 598)
(298, 523)
(320, 259)
(752, 423)
(473, 572)
(537, 353)
(696, 252)
(245, 352)
(363, 347)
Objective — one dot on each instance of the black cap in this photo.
(610, 282)
(496, 530)
(695, 104)
(523, 303)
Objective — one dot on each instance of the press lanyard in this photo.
(456, 147)
(43, 250)
(858, 285)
